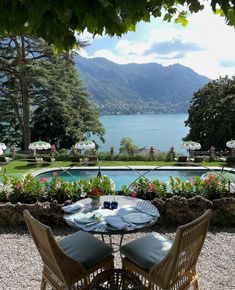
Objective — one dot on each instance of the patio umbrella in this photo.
(191, 145)
(40, 145)
(231, 144)
(85, 145)
(3, 146)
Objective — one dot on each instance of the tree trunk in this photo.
(25, 107)
(25, 99)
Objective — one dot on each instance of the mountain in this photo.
(138, 88)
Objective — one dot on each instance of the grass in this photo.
(19, 167)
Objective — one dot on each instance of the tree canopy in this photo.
(56, 21)
(212, 114)
(41, 93)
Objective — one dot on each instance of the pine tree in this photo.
(41, 92)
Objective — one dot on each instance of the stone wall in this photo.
(174, 211)
(179, 210)
(46, 212)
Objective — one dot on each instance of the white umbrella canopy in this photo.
(231, 144)
(191, 145)
(39, 145)
(85, 145)
(3, 146)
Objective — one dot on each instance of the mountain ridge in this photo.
(138, 88)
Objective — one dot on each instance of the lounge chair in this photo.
(72, 261)
(182, 161)
(198, 159)
(32, 160)
(76, 159)
(4, 159)
(89, 161)
(165, 265)
(47, 160)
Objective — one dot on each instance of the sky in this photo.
(206, 44)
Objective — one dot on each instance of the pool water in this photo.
(123, 177)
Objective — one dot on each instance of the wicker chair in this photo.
(165, 265)
(72, 262)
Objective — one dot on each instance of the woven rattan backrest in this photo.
(184, 252)
(52, 256)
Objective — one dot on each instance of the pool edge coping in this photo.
(135, 167)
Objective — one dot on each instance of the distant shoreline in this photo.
(140, 114)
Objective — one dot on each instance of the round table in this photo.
(126, 205)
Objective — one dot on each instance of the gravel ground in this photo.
(20, 264)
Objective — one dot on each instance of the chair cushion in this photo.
(147, 251)
(85, 248)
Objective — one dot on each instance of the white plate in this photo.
(138, 218)
(85, 218)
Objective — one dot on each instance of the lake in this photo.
(160, 131)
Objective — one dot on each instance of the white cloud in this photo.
(129, 47)
(109, 55)
(205, 30)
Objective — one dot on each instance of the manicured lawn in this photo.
(19, 167)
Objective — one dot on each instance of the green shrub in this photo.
(61, 190)
(181, 188)
(214, 188)
(63, 151)
(20, 156)
(25, 190)
(62, 156)
(145, 189)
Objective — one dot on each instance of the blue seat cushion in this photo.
(147, 251)
(85, 248)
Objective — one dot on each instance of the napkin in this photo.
(147, 207)
(72, 207)
(116, 222)
(94, 226)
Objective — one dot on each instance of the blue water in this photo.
(160, 131)
(123, 177)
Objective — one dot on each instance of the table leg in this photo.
(102, 237)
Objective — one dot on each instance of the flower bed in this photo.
(178, 201)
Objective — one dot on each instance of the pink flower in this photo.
(43, 179)
(133, 194)
(19, 185)
(55, 173)
(151, 187)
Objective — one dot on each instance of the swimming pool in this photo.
(123, 176)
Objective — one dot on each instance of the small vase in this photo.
(95, 203)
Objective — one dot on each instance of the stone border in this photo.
(135, 167)
(173, 211)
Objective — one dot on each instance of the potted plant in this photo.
(95, 187)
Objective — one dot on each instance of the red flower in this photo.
(55, 173)
(19, 185)
(94, 192)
